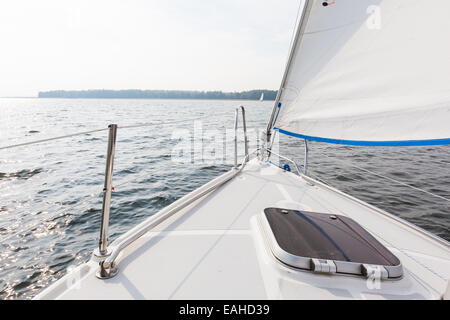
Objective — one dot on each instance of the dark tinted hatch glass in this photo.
(326, 236)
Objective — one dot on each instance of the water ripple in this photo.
(50, 205)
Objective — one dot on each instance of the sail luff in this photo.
(305, 8)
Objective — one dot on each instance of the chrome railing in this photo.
(107, 190)
(244, 126)
(108, 267)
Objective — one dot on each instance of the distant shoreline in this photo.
(218, 99)
(131, 98)
(160, 94)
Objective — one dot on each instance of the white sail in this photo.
(369, 72)
(262, 97)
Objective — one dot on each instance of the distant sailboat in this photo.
(262, 97)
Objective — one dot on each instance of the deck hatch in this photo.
(302, 239)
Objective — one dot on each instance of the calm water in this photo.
(50, 192)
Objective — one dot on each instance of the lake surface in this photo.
(50, 205)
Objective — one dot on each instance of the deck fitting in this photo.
(106, 270)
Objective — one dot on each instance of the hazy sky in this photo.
(145, 44)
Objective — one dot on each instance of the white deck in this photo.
(214, 249)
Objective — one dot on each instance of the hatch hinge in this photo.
(374, 272)
(323, 266)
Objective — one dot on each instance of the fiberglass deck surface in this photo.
(214, 249)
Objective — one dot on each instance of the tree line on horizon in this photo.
(158, 94)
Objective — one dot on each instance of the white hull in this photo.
(215, 249)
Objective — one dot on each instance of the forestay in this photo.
(369, 72)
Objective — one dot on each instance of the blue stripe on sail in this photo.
(404, 143)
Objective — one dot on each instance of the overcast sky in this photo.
(228, 45)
